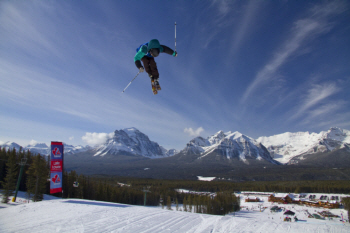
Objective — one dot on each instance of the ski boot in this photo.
(154, 87)
(156, 82)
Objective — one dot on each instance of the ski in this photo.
(154, 88)
(157, 85)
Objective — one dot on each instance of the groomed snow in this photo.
(76, 215)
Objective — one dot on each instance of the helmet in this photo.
(154, 52)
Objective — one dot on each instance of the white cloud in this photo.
(193, 133)
(96, 138)
(33, 142)
(71, 138)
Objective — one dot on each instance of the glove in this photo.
(175, 54)
(141, 69)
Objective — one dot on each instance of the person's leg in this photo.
(153, 67)
(146, 64)
(155, 73)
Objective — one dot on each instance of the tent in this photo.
(288, 212)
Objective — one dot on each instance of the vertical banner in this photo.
(56, 167)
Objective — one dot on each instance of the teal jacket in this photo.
(143, 50)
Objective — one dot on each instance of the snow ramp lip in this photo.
(96, 203)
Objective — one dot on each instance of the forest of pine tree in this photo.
(129, 190)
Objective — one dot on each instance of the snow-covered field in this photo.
(76, 215)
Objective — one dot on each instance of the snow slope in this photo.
(75, 215)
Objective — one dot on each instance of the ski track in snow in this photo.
(75, 215)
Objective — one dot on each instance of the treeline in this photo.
(35, 172)
(220, 204)
(111, 190)
(35, 181)
(346, 203)
(308, 186)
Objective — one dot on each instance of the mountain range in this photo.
(130, 152)
(228, 146)
(281, 148)
(43, 149)
(289, 147)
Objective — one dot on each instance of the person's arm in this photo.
(140, 54)
(168, 50)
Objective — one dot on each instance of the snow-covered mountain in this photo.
(43, 149)
(282, 147)
(38, 148)
(286, 146)
(70, 149)
(133, 141)
(10, 145)
(230, 145)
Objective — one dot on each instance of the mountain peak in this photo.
(131, 130)
(37, 145)
(133, 141)
(10, 145)
(338, 134)
(216, 138)
(229, 146)
(237, 135)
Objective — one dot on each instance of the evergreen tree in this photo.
(162, 201)
(37, 178)
(346, 203)
(168, 203)
(9, 183)
(185, 204)
(3, 159)
(189, 203)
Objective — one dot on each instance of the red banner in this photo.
(56, 167)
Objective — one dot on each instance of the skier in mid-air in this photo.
(146, 53)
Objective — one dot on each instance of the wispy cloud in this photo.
(302, 31)
(244, 25)
(314, 96)
(325, 109)
(220, 15)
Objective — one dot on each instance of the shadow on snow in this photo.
(96, 203)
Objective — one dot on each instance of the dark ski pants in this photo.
(150, 66)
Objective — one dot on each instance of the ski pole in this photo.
(131, 82)
(175, 36)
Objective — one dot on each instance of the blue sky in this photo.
(257, 67)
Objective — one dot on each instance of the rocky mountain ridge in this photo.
(132, 141)
(282, 148)
(229, 145)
